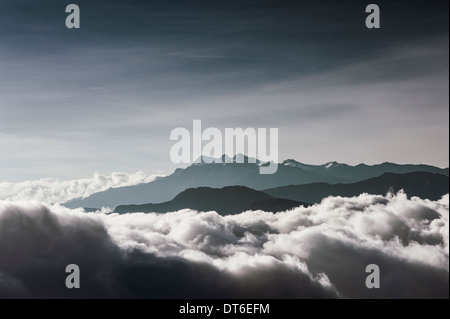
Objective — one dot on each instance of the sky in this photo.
(105, 97)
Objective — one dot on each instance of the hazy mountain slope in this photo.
(211, 175)
(421, 184)
(362, 171)
(201, 174)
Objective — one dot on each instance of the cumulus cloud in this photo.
(53, 190)
(317, 252)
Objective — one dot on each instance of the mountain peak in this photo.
(294, 163)
(225, 159)
(330, 164)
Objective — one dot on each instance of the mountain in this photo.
(421, 184)
(218, 175)
(362, 171)
(201, 175)
(225, 201)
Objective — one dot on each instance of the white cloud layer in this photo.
(316, 252)
(53, 190)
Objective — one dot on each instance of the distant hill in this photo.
(421, 184)
(225, 201)
(246, 174)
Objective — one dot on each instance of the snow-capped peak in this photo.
(294, 163)
(224, 159)
(330, 164)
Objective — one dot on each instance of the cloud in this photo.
(316, 252)
(53, 190)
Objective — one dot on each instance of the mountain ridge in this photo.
(236, 199)
(218, 175)
(225, 201)
(422, 184)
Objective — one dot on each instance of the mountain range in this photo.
(218, 175)
(421, 184)
(236, 199)
(225, 201)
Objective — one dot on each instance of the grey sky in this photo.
(106, 97)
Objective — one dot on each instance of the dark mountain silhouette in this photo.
(225, 201)
(421, 184)
(246, 174)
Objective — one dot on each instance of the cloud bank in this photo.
(316, 252)
(53, 190)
